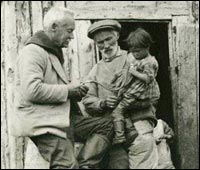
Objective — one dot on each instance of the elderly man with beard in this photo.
(46, 108)
(102, 99)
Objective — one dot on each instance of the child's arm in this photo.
(142, 76)
(149, 70)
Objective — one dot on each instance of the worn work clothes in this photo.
(59, 152)
(41, 100)
(104, 73)
(84, 127)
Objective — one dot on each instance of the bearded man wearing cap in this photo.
(101, 100)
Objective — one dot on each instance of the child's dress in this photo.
(134, 93)
(132, 90)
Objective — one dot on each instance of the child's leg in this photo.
(130, 130)
(119, 125)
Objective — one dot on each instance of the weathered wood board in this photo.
(20, 19)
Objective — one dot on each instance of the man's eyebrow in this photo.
(107, 38)
(65, 24)
(100, 41)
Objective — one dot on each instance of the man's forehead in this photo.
(68, 21)
(102, 34)
(69, 25)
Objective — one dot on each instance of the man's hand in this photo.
(83, 90)
(110, 103)
(77, 92)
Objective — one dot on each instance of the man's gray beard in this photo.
(110, 56)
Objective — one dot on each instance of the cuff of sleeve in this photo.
(65, 93)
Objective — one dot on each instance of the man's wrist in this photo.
(74, 94)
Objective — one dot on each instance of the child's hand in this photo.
(133, 69)
(167, 137)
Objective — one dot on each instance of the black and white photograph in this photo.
(99, 84)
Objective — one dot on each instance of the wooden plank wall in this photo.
(4, 126)
(185, 114)
(20, 19)
(134, 9)
(12, 43)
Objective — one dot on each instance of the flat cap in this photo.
(103, 24)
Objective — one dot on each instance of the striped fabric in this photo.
(136, 90)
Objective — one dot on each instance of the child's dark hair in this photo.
(139, 39)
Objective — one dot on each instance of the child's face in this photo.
(139, 53)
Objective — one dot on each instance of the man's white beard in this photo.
(109, 57)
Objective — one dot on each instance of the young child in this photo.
(136, 84)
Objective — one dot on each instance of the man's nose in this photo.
(106, 45)
(72, 36)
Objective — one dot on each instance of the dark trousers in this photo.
(84, 127)
(60, 152)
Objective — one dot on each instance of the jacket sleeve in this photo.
(92, 101)
(32, 65)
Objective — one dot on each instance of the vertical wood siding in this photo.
(21, 19)
(186, 115)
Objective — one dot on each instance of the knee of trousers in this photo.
(106, 127)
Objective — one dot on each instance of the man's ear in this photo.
(117, 34)
(54, 27)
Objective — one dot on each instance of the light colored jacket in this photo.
(41, 94)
